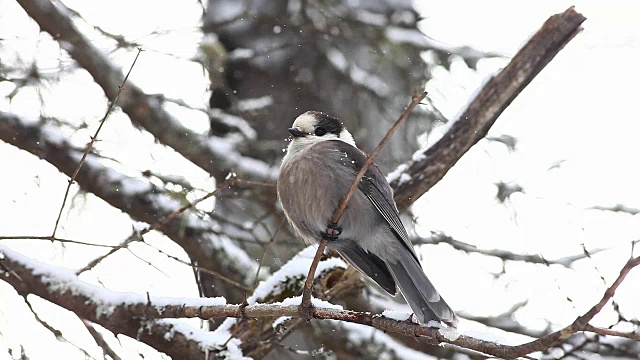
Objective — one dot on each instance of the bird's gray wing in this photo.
(406, 271)
(376, 188)
(367, 263)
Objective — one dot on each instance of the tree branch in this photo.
(59, 285)
(100, 341)
(86, 300)
(155, 226)
(94, 138)
(140, 199)
(609, 332)
(440, 238)
(580, 324)
(416, 177)
(618, 208)
(216, 155)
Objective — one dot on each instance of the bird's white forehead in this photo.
(306, 122)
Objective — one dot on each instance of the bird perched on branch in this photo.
(322, 161)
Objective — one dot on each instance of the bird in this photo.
(319, 166)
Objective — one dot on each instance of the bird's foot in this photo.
(333, 231)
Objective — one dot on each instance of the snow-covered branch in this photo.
(427, 167)
(216, 155)
(124, 312)
(121, 313)
(620, 208)
(202, 239)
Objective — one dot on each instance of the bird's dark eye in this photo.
(320, 131)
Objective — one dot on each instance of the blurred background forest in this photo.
(523, 235)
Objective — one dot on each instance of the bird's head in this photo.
(314, 126)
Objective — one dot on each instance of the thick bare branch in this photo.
(417, 176)
(216, 155)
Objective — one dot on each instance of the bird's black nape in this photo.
(330, 124)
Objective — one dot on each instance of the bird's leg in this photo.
(333, 231)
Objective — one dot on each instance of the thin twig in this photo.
(441, 238)
(147, 262)
(602, 331)
(186, 207)
(256, 183)
(306, 293)
(54, 331)
(196, 276)
(157, 225)
(94, 138)
(201, 269)
(264, 252)
(100, 341)
(52, 238)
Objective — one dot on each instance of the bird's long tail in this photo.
(422, 297)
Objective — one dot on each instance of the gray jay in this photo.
(321, 162)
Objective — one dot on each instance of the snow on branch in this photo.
(121, 313)
(427, 167)
(619, 208)
(216, 155)
(200, 237)
(470, 55)
(131, 311)
(362, 79)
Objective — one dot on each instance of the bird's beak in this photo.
(296, 133)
